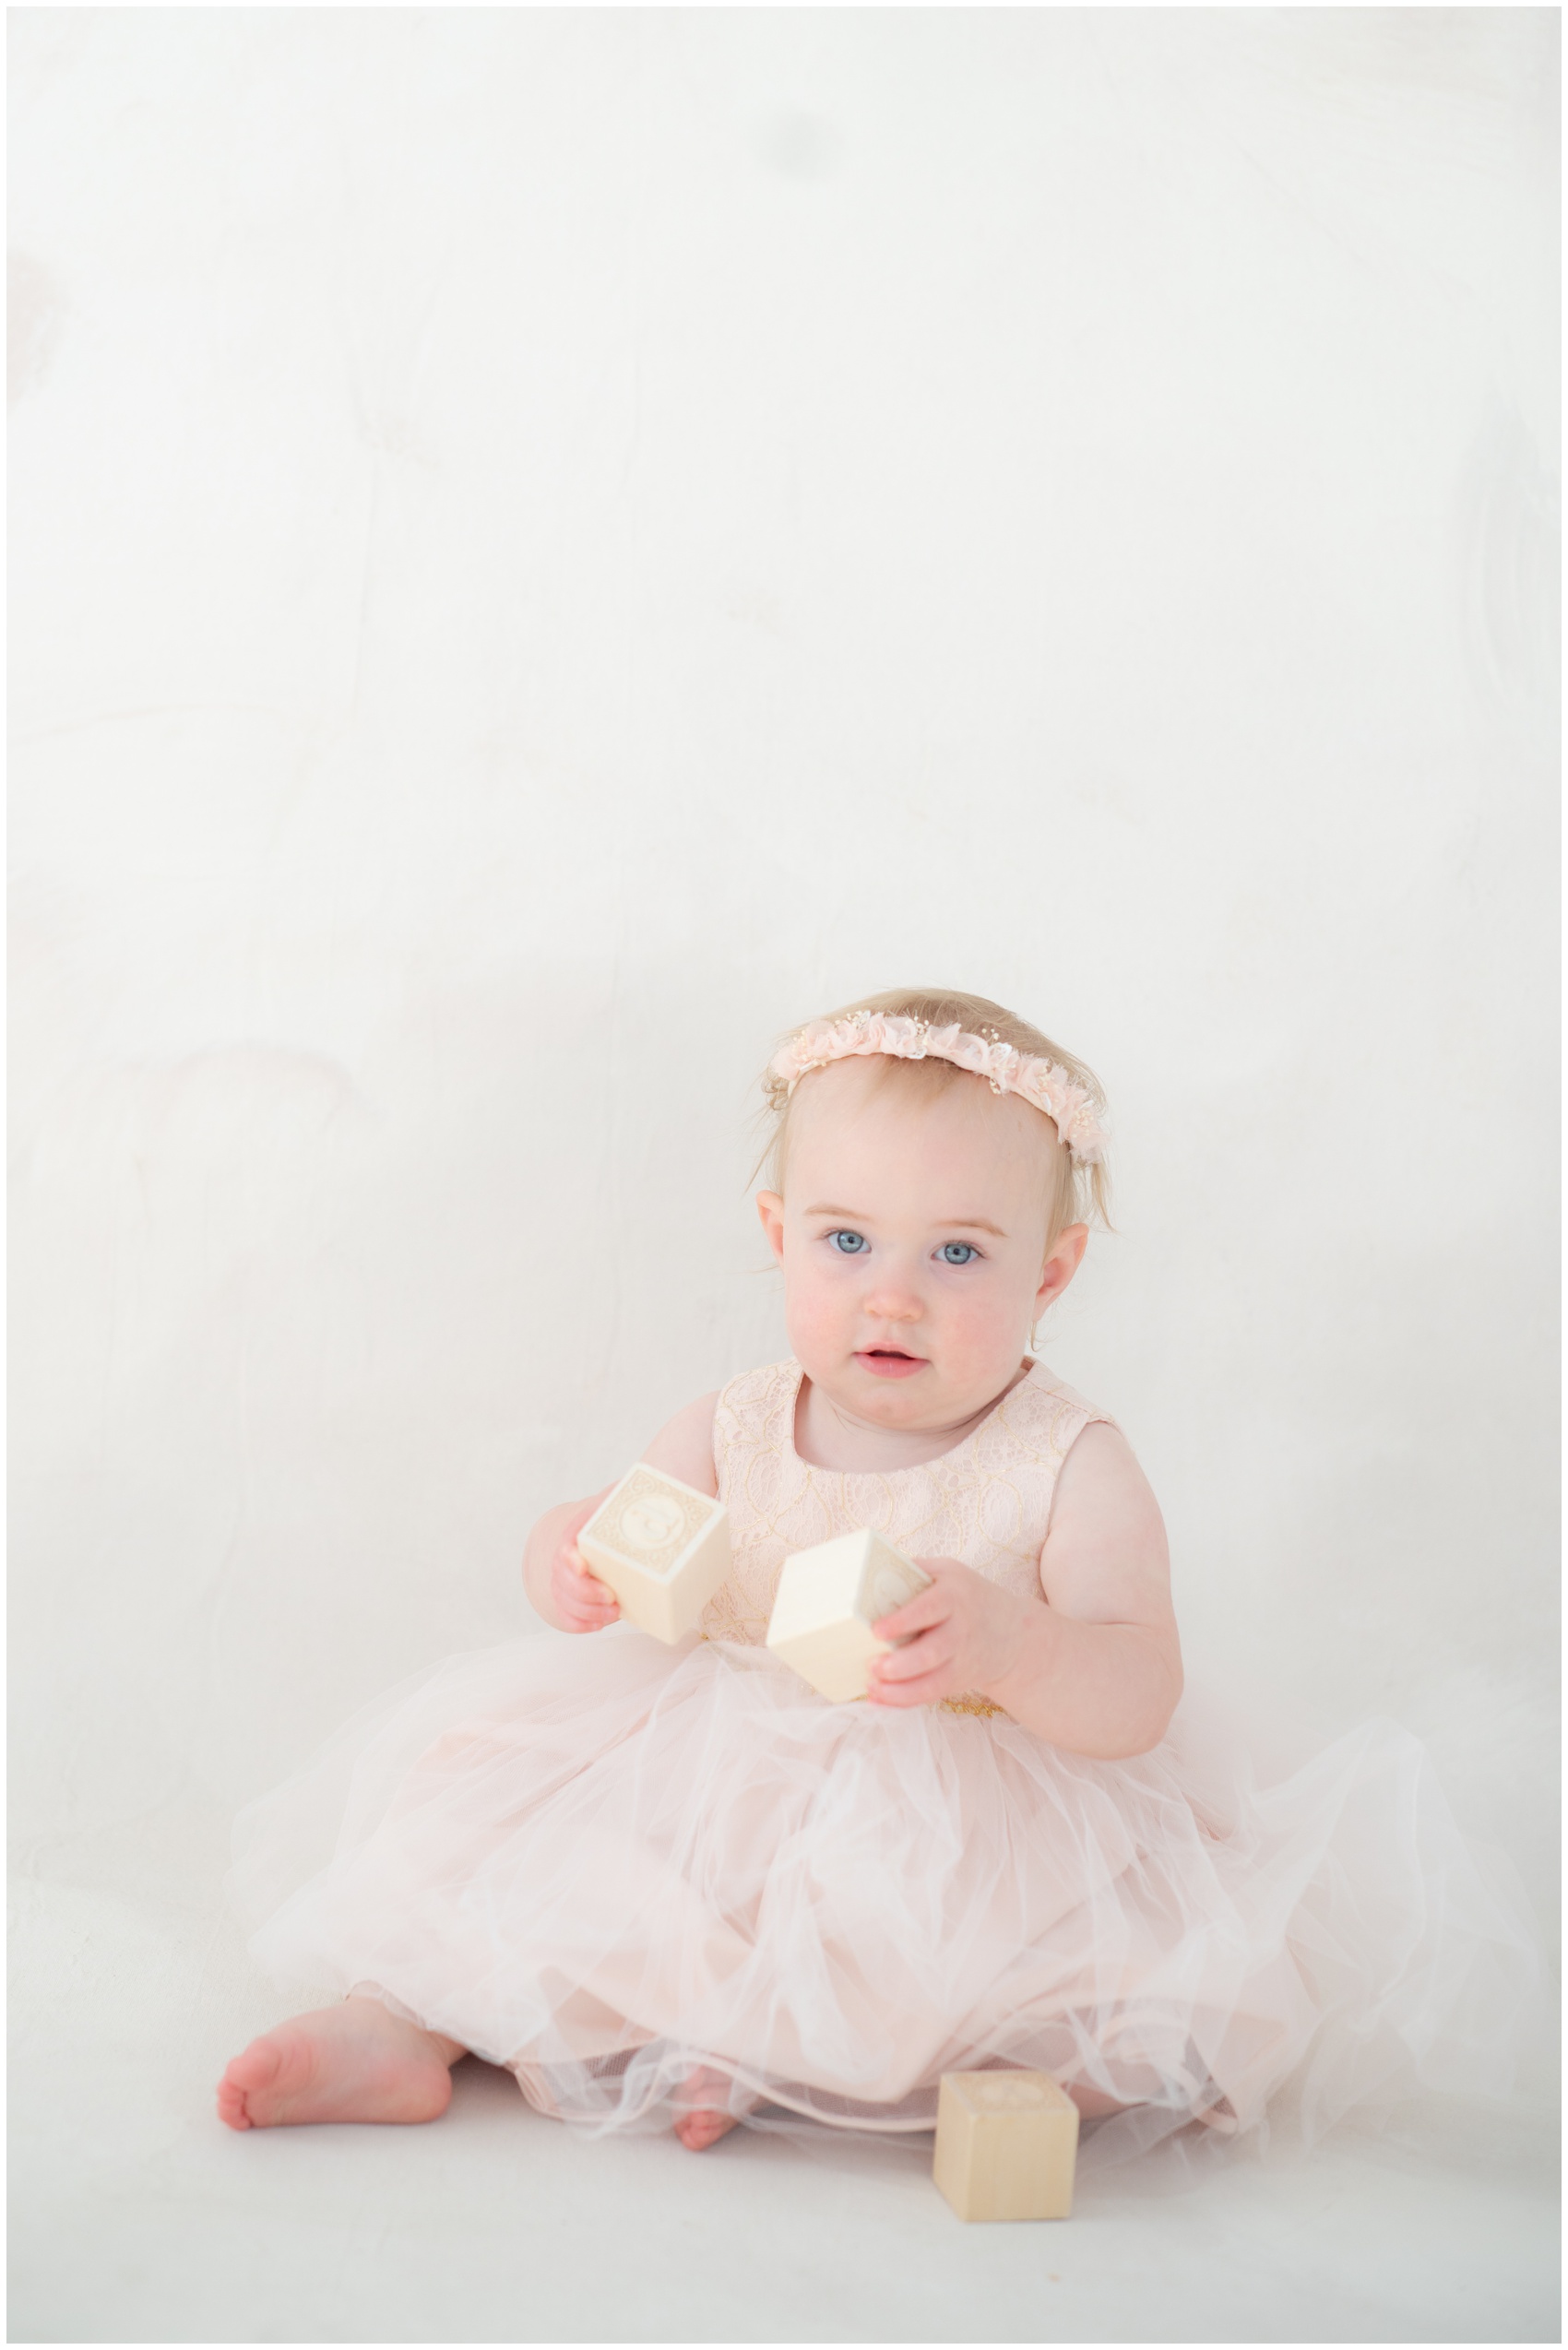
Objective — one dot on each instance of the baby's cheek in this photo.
(817, 1312)
(984, 1327)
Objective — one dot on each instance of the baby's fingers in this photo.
(588, 1619)
(583, 1600)
(916, 1659)
(930, 1685)
(919, 1614)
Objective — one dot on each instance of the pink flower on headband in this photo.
(1005, 1068)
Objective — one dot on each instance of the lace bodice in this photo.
(987, 1502)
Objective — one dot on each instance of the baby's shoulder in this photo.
(683, 1446)
(768, 1386)
(756, 1406)
(1048, 1415)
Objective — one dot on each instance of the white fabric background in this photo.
(549, 545)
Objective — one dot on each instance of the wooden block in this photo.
(662, 1546)
(1007, 2144)
(828, 1600)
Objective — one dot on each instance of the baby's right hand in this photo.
(580, 1600)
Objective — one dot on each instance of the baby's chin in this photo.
(907, 1391)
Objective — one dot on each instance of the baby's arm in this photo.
(1108, 1673)
(559, 1583)
(1094, 1665)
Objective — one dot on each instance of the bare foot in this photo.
(353, 2062)
(702, 2126)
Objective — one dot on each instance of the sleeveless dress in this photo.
(609, 1865)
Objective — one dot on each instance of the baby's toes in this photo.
(700, 2130)
(232, 2104)
(251, 2070)
(245, 2089)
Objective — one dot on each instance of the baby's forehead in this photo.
(877, 1107)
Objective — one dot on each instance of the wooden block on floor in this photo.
(663, 1549)
(1006, 2144)
(828, 1600)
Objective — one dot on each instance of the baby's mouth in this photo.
(890, 1362)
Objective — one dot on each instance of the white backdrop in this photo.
(551, 545)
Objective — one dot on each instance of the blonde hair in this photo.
(1080, 1194)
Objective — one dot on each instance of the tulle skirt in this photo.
(644, 1879)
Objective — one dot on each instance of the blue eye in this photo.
(848, 1243)
(957, 1252)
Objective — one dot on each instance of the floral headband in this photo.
(1007, 1070)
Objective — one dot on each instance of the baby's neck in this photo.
(826, 1436)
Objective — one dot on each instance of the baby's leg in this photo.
(1093, 2104)
(1214, 2108)
(353, 2062)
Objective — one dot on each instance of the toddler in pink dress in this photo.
(675, 1887)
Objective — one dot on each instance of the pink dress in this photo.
(604, 1863)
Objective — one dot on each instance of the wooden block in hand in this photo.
(828, 1600)
(1006, 2144)
(662, 1546)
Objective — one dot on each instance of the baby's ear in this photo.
(771, 1207)
(1061, 1263)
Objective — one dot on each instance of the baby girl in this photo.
(675, 1887)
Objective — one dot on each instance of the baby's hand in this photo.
(580, 1600)
(957, 1638)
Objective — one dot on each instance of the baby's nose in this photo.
(892, 1299)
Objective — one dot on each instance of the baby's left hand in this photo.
(968, 1634)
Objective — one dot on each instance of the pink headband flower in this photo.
(1006, 1069)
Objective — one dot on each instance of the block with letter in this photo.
(828, 1600)
(662, 1546)
(1006, 2145)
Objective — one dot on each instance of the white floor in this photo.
(136, 2217)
